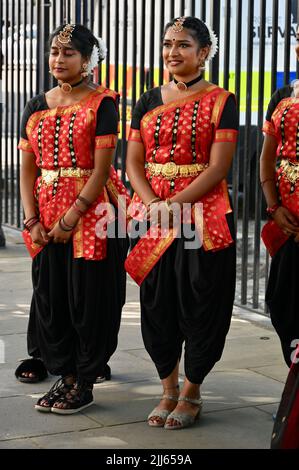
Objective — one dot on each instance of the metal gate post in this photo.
(2, 238)
(215, 24)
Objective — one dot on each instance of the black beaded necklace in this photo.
(182, 86)
(67, 87)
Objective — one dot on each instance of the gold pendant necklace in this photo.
(67, 87)
(183, 86)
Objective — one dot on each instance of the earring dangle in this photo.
(84, 72)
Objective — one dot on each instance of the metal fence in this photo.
(255, 57)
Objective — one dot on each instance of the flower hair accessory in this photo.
(214, 46)
(97, 54)
(295, 86)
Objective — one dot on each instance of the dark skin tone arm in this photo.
(282, 216)
(91, 190)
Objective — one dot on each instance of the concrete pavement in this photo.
(240, 394)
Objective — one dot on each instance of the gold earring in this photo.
(84, 72)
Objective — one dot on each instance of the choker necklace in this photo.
(182, 86)
(67, 87)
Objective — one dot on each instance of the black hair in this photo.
(197, 27)
(82, 39)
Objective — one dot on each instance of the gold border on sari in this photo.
(218, 106)
(25, 145)
(226, 135)
(268, 128)
(105, 141)
(135, 135)
(78, 235)
(173, 104)
(64, 110)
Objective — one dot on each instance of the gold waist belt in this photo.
(48, 176)
(290, 170)
(170, 170)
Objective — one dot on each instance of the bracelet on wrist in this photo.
(77, 209)
(84, 201)
(64, 226)
(272, 209)
(30, 222)
(167, 204)
(155, 199)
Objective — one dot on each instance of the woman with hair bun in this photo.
(69, 134)
(182, 140)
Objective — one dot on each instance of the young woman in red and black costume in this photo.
(69, 134)
(182, 141)
(279, 173)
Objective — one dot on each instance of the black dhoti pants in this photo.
(188, 297)
(282, 296)
(76, 309)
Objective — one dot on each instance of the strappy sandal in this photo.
(76, 399)
(184, 420)
(31, 366)
(59, 388)
(160, 413)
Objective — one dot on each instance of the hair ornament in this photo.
(214, 46)
(97, 54)
(178, 25)
(65, 36)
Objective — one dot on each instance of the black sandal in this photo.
(106, 375)
(32, 366)
(57, 390)
(76, 399)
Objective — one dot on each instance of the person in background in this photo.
(279, 175)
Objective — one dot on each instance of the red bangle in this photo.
(270, 210)
(77, 209)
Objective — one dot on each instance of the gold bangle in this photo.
(155, 199)
(167, 204)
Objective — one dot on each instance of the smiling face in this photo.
(182, 54)
(65, 62)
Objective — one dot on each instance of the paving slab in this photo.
(19, 419)
(247, 428)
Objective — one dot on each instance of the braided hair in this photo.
(198, 30)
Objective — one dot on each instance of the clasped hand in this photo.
(39, 235)
(287, 221)
(158, 214)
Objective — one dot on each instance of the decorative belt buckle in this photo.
(170, 170)
(49, 178)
